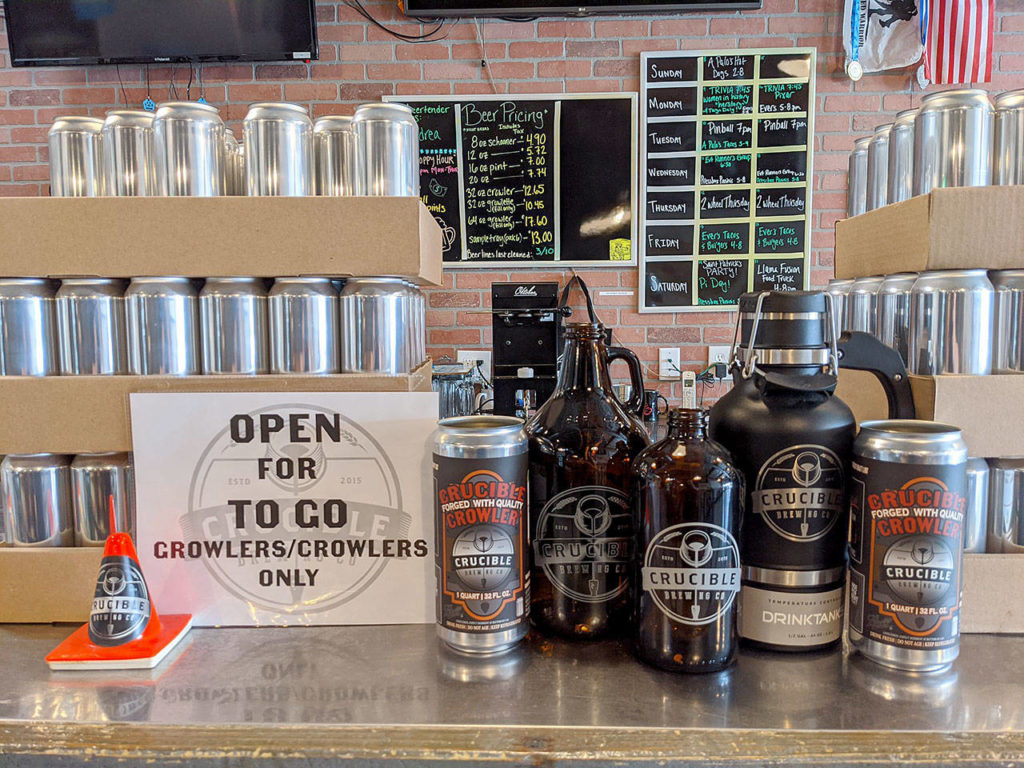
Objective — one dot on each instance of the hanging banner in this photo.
(881, 34)
(959, 41)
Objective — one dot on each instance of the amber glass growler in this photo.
(582, 445)
(688, 498)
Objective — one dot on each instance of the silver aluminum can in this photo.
(278, 150)
(894, 311)
(1006, 503)
(163, 326)
(76, 157)
(839, 290)
(339, 167)
(862, 305)
(388, 139)
(951, 323)
(1008, 320)
(418, 332)
(908, 510)
(1008, 141)
(189, 138)
(303, 325)
(976, 526)
(129, 154)
(857, 179)
(97, 480)
(37, 500)
(375, 313)
(480, 465)
(91, 326)
(28, 328)
(900, 176)
(233, 313)
(953, 140)
(229, 164)
(878, 168)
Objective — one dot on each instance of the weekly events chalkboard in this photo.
(530, 178)
(726, 175)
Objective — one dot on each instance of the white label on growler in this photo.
(905, 553)
(692, 572)
(799, 492)
(583, 540)
(483, 577)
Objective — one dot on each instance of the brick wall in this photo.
(359, 62)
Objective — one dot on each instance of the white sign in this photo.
(288, 508)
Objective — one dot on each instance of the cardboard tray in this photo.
(90, 414)
(952, 228)
(219, 237)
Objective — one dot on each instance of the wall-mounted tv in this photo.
(75, 32)
(516, 8)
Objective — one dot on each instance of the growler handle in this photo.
(636, 377)
(860, 351)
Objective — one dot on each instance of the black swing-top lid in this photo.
(792, 327)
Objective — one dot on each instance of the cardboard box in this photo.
(89, 414)
(219, 236)
(989, 409)
(953, 228)
(993, 602)
(45, 585)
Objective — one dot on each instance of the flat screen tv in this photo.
(518, 8)
(74, 32)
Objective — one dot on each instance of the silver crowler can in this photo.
(953, 140)
(416, 333)
(840, 292)
(91, 324)
(97, 480)
(976, 526)
(1008, 320)
(76, 157)
(951, 323)
(233, 315)
(278, 141)
(878, 167)
(1008, 142)
(388, 139)
(908, 509)
(37, 500)
(900, 177)
(228, 164)
(375, 317)
(129, 162)
(1006, 504)
(339, 167)
(28, 328)
(163, 326)
(303, 325)
(862, 305)
(189, 147)
(857, 179)
(894, 311)
(483, 575)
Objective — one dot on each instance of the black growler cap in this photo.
(788, 320)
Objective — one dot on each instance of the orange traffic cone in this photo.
(124, 630)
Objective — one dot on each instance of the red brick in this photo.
(536, 86)
(365, 91)
(441, 299)
(482, 280)
(737, 25)
(34, 97)
(422, 51)
(17, 154)
(1012, 23)
(592, 86)
(460, 336)
(564, 68)
(686, 27)
(282, 72)
(403, 71)
(508, 30)
(339, 71)
(310, 91)
(452, 70)
(88, 95)
(31, 172)
(616, 67)
(34, 135)
(860, 102)
(473, 51)
(419, 88)
(18, 117)
(375, 34)
(342, 33)
(792, 25)
(619, 29)
(636, 47)
(20, 190)
(591, 49)
(325, 13)
(252, 93)
(718, 334)
(511, 70)
(371, 52)
(482, 87)
(535, 50)
(471, 318)
(10, 77)
(61, 76)
(673, 335)
(563, 29)
(222, 73)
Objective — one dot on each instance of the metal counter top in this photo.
(373, 695)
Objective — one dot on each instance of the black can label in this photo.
(692, 572)
(121, 608)
(799, 492)
(483, 578)
(583, 543)
(906, 550)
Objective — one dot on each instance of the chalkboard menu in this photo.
(531, 178)
(726, 140)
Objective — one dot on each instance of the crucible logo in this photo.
(799, 492)
(120, 605)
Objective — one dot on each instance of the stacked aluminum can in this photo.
(185, 149)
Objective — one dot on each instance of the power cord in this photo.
(426, 37)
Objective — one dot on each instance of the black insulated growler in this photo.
(792, 439)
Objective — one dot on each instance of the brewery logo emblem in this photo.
(120, 607)
(799, 492)
(692, 572)
(582, 543)
(484, 557)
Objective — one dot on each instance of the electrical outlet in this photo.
(720, 353)
(669, 368)
(472, 355)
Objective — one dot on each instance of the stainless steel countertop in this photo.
(374, 693)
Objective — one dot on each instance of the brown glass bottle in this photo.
(689, 500)
(582, 445)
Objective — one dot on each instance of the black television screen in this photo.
(434, 8)
(48, 32)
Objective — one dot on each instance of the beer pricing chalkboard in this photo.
(531, 178)
(725, 175)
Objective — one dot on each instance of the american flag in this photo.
(958, 40)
